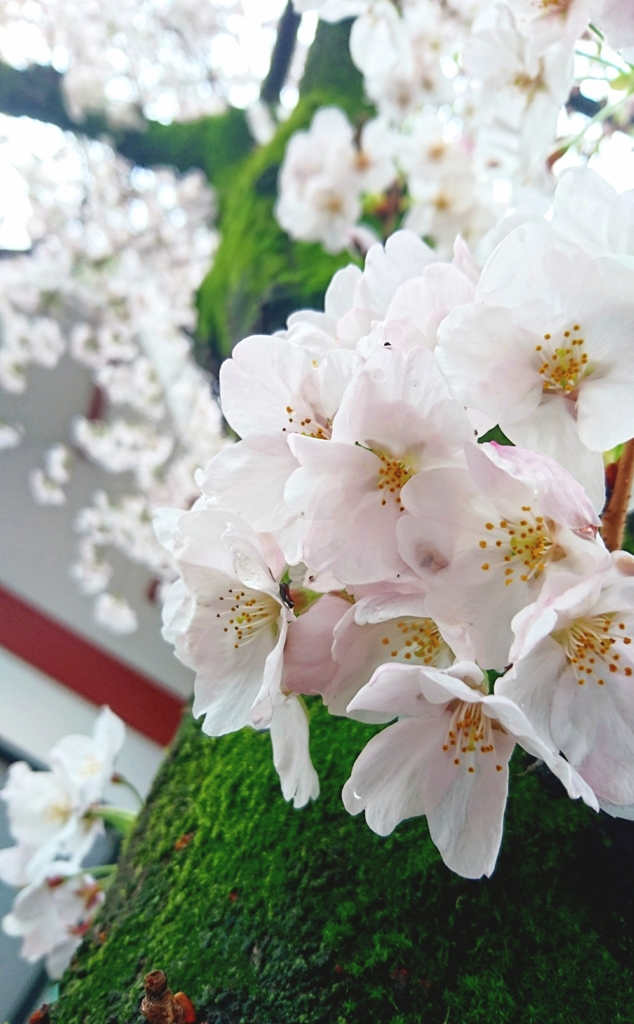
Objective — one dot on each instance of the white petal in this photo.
(390, 778)
(466, 825)
(291, 756)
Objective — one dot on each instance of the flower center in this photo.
(565, 365)
(530, 84)
(554, 6)
(91, 766)
(593, 648)
(310, 426)
(418, 638)
(60, 811)
(332, 204)
(470, 733)
(246, 613)
(393, 475)
(526, 546)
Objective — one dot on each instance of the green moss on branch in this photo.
(260, 275)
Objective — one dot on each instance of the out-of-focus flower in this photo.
(52, 915)
(115, 614)
(447, 757)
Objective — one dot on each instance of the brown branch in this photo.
(616, 510)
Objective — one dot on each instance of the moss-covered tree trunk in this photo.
(263, 914)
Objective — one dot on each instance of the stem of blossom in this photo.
(120, 780)
(119, 817)
(597, 31)
(101, 870)
(107, 871)
(616, 510)
(602, 115)
(623, 68)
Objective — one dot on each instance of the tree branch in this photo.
(282, 56)
(616, 511)
(211, 143)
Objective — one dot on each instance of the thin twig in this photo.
(616, 511)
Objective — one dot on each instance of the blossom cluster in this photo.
(170, 59)
(364, 541)
(109, 282)
(470, 102)
(53, 817)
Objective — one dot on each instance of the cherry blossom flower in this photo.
(10, 435)
(524, 83)
(546, 352)
(115, 614)
(447, 757)
(318, 186)
(404, 256)
(396, 420)
(572, 673)
(53, 914)
(271, 389)
(385, 624)
(378, 37)
(226, 614)
(485, 540)
(47, 810)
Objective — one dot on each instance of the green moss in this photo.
(260, 275)
(329, 66)
(275, 916)
(214, 144)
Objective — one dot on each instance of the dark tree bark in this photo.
(282, 55)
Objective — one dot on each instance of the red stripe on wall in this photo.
(88, 670)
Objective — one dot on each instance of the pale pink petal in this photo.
(308, 664)
(605, 411)
(564, 597)
(248, 479)
(511, 716)
(559, 495)
(263, 377)
(466, 825)
(581, 208)
(489, 362)
(544, 279)
(228, 681)
(390, 778)
(531, 684)
(291, 756)
(594, 727)
(424, 302)
(552, 429)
